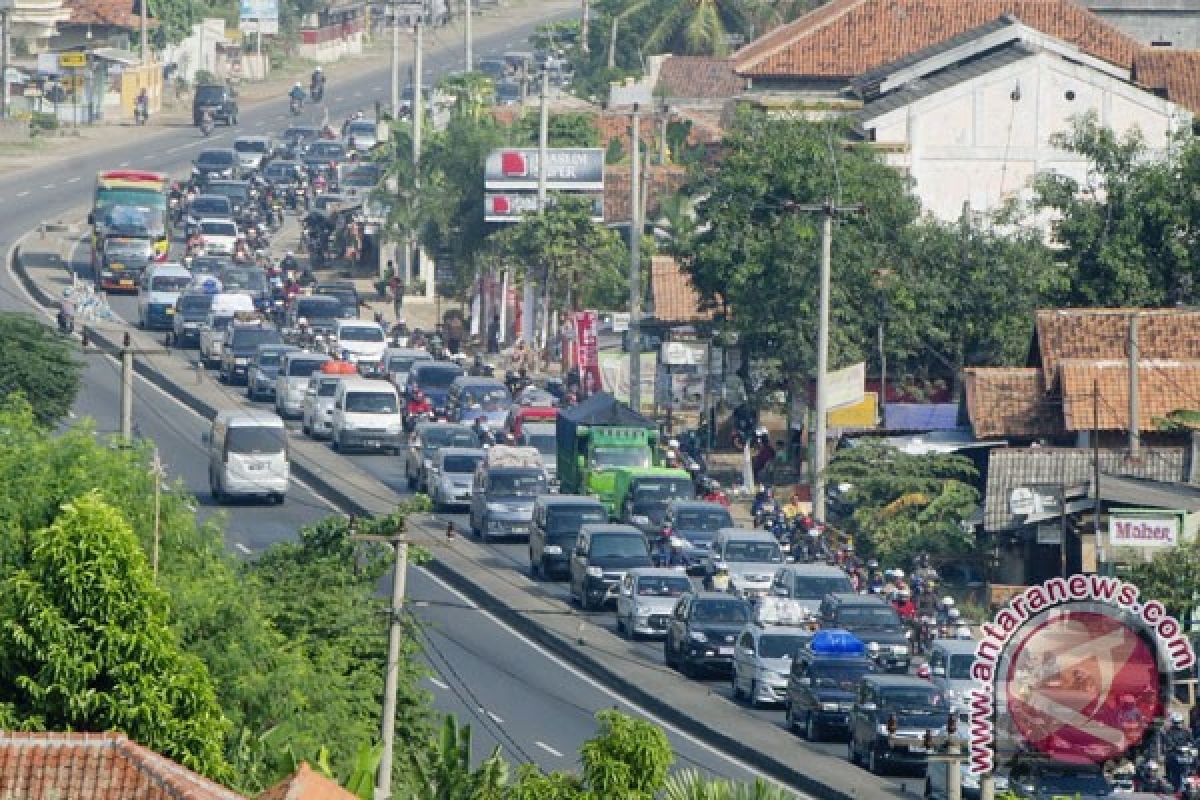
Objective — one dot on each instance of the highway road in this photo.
(515, 696)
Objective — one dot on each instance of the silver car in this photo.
(317, 416)
(426, 440)
(451, 476)
(762, 662)
(292, 381)
(542, 437)
(252, 151)
(750, 556)
(646, 599)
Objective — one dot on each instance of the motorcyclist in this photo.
(480, 427)
(317, 83)
(1175, 739)
(297, 95)
(478, 367)
(904, 605)
(720, 579)
(141, 106)
(206, 121)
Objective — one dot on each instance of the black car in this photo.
(263, 369)
(346, 294)
(697, 523)
(702, 631)
(323, 153)
(240, 345)
(191, 310)
(218, 99)
(822, 682)
(246, 280)
(602, 555)
(889, 719)
(238, 193)
(873, 620)
(1043, 780)
(649, 495)
(215, 164)
(320, 313)
(283, 176)
(554, 529)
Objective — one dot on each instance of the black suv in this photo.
(554, 528)
(890, 718)
(873, 620)
(241, 344)
(702, 630)
(602, 555)
(220, 100)
(821, 684)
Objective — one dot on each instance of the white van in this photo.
(231, 303)
(247, 455)
(160, 287)
(363, 343)
(366, 416)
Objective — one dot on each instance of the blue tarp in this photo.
(920, 416)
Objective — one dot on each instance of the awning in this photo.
(1143, 493)
(117, 55)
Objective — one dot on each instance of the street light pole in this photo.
(395, 61)
(142, 6)
(543, 145)
(418, 119)
(635, 263)
(467, 44)
(383, 780)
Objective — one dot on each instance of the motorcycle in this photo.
(295, 106)
(66, 322)
(140, 114)
(206, 126)
(316, 92)
(1181, 762)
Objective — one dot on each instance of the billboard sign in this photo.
(511, 205)
(571, 169)
(259, 16)
(845, 387)
(1144, 528)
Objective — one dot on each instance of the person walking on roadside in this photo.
(396, 283)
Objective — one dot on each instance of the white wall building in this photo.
(972, 120)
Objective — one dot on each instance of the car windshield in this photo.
(710, 520)
(193, 303)
(169, 283)
(400, 363)
(209, 264)
(250, 145)
(313, 308)
(303, 367)
(520, 484)
(210, 205)
(911, 698)
(436, 377)
(210, 94)
(269, 358)
(254, 280)
(662, 585)
(618, 545)
(730, 611)
(218, 228)
(250, 338)
(868, 616)
(371, 402)
(489, 398)
(256, 440)
(461, 464)
(361, 333)
(1073, 784)
(219, 159)
(568, 519)
(327, 388)
(620, 457)
(299, 134)
(779, 645)
(449, 437)
(234, 191)
(280, 170)
(545, 443)
(327, 150)
(361, 177)
(834, 675)
(138, 249)
(361, 127)
(752, 552)
(220, 323)
(958, 667)
(809, 587)
(657, 491)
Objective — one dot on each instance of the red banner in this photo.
(587, 352)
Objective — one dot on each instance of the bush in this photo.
(42, 121)
(204, 76)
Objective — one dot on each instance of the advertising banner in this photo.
(587, 352)
(579, 169)
(1144, 528)
(510, 206)
(614, 377)
(845, 387)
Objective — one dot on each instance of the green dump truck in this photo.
(642, 495)
(596, 439)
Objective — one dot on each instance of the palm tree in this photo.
(690, 27)
(443, 771)
(693, 785)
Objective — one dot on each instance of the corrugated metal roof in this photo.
(920, 416)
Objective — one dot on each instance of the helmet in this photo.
(954, 614)
(948, 601)
(898, 573)
(673, 444)
(1176, 718)
(318, 69)
(302, 321)
(923, 671)
(873, 648)
(962, 632)
(289, 254)
(298, 86)
(904, 593)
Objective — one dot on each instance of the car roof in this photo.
(217, 220)
(285, 348)
(306, 354)
(461, 451)
(956, 646)
(855, 599)
(817, 570)
(716, 596)
(249, 418)
(539, 428)
(746, 534)
(407, 352)
(551, 500)
(211, 196)
(358, 323)
(477, 380)
(254, 138)
(611, 527)
(898, 681)
(657, 572)
(425, 426)
(367, 385)
(177, 270)
(696, 505)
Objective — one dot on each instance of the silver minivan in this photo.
(292, 381)
(247, 455)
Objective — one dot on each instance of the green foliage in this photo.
(39, 363)
(567, 129)
(472, 91)
(693, 785)
(85, 644)
(615, 152)
(584, 260)
(627, 760)
(1128, 228)
(906, 504)
(442, 770)
(1172, 578)
(688, 27)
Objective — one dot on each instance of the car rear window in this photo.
(436, 377)
(303, 367)
(461, 464)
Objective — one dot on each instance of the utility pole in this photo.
(157, 473)
(395, 61)
(418, 119)
(468, 55)
(583, 28)
(4, 11)
(142, 4)
(127, 390)
(828, 211)
(383, 780)
(1101, 555)
(1135, 438)
(635, 263)
(543, 145)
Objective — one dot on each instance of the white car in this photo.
(218, 237)
(212, 332)
(251, 151)
(364, 132)
(317, 417)
(364, 343)
(451, 476)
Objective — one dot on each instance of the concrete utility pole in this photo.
(127, 391)
(543, 144)
(468, 55)
(142, 4)
(157, 473)
(1135, 437)
(418, 120)
(5, 7)
(584, 29)
(395, 61)
(827, 211)
(383, 780)
(635, 262)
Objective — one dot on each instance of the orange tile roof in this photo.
(1163, 387)
(1103, 334)
(698, 77)
(660, 181)
(306, 785)
(1174, 73)
(1009, 402)
(846, 38)
(675, 299)
(95, 766)
(118, 13)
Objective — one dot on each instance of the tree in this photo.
(38, 363)
(85, 644)
(689, 27)
(442, 771)
(627, 760)
(1171, 577)
(692, 785)
(906, 504)
(1128, 229)
(567, 129)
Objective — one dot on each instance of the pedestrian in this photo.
(493, 342)
(396, 284)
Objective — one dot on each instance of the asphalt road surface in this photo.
(515, 696)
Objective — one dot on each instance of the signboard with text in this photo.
(259, 16)
(572, 169)
(1144, 528)
(510, 206)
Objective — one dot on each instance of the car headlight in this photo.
(428, 462)
(697, 636)
(499, 508)
(241, 362)
(831, 706)
(882, 730)
(640, 519)
(900, 649)
(552, 550)
(595, 572)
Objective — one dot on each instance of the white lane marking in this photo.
(123, 164)
(495, 717)
(22, 194)
(376, 88)
(175, 149)
(48, 186)
(549, 749)
(242, 548)
(73, 180)
(338, 99)
(437, 683)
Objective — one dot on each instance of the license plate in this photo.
(125, 282)
(372, 443)
(170, 311)
(914, 748)
(725, 651)
(256, 467)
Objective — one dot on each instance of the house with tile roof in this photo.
(1154, 23)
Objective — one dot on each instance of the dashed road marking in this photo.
(22, 194)
(242, 548)
(495, 717)
(549, 749)
(48, 186)
(437, 683)
(73, 180)
(123, 164)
